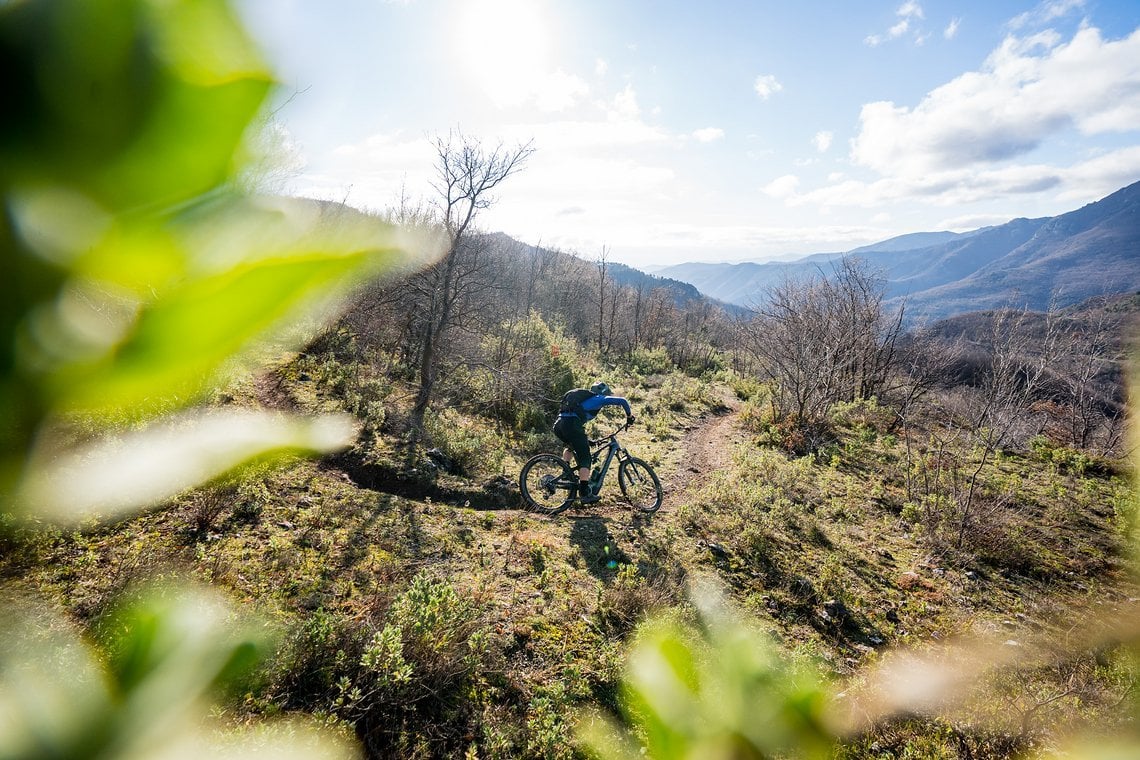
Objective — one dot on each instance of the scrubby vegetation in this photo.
(876, 542)
(421, 607)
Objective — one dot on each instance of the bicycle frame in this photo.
(612, 448)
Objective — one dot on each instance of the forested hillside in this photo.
(259, 468)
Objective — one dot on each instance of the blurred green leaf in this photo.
(135, 272)
(131, 102)
(718, 690)
(148, 466)
(143, 692)
(179, 339)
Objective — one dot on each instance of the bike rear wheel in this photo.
(547, 484)
(640, 485)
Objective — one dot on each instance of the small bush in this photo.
(630, 597)
(315, 656)
(470, 448)
(1062, 458)
(418, 669)
(799, 437)
(678, 394)
(645, 361)
(749, 388)
(863, 414)
(206, 506)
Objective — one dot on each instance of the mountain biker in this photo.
(578, 407)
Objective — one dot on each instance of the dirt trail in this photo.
(705, 448)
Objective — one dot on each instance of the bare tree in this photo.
(997, 414)
(607, 298)
(466, 176)
(822, 340)
(1086, 369)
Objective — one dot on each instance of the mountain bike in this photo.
(547, 481)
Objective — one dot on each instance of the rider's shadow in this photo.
(600, 551)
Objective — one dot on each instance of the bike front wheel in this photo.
(640, 485)
(547, 484)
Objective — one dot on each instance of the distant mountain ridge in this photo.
(683, 292)
(1063, 260)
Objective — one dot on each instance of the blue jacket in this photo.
(593, 405)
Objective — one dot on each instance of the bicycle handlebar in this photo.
(604, 438)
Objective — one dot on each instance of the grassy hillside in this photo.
(850, 493)
(418, 604)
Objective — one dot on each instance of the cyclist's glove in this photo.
(629, 420)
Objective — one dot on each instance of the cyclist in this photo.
(578, 407)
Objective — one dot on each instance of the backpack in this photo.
(572, 402)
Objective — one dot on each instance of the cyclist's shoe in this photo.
(586, 495)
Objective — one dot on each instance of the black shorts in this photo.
(572, 432)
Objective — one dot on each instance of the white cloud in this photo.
(822, 140)
(559, 91)
(1072, 186)
(908, 13)
(1027, 90)
(1098, 176)
(624, 106)
(899, 29)
(590, 183)
(767, 85)
(910, 9)
(951, 30)
(708, 134)
(601, 66)
(1044, 13)
(782, 187)
(968, 222)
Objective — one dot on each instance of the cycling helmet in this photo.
(600, 389)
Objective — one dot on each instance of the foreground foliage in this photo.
(394, 592)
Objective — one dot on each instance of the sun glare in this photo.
(502, 46)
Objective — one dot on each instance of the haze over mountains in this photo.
(1030, 263)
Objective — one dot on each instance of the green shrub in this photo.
(550, 733)
(1061, 458)
(649, 361)
(630, 597)
(315, 656)
(862, 414)
(749, 388)
(472, 449)
(419, 669)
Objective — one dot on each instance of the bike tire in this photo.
(545, 483)
(640, 485)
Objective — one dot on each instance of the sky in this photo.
(666, 132)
